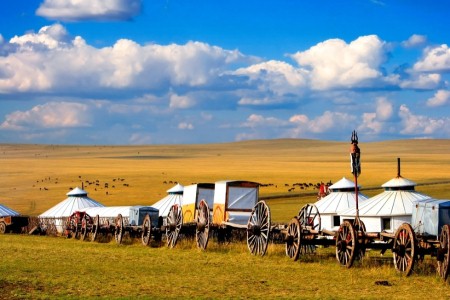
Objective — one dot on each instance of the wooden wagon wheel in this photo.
(146, 230)
(2, 227)
(309, 218)
(258, 229)
(84, 229)
(174, 220)
(202, 228)
(293, 239)
(118, 232)
(443, 256)
(72, 226)
(404, 249)
(346, 244)
(94, 228)
(360, 230)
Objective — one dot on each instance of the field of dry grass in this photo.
(36, 177)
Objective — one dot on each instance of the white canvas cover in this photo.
(239, 197)
(76, 200)
(175, 196)
(194, 193)
(107, 211)
(342, 196)
(6, 211)
(394, 205)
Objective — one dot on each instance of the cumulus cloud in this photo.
(49, 115)
(185, 126)
(418, 125)
(255, 120)
(96, 10)
(440, 98)
(276, 76)
(181, 102)
(435, 59)
(422, 81)
(50, 59)
(415, 40)
(375, 122)
(336, 64)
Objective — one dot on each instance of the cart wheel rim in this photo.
(404, 249)
(293, 239)
(118, 234)
(346, 244)
(175, 221)
(444, 252)
(203, 223)
(146, 230)
(309, 216)
(94, 230)
(2, 227)
(258, 229)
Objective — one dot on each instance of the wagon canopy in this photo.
(192, 195)
(389, 209)
(234, 201)
(342, 196)
(76, 200)
(175, 196)
(429, 216)
(6, 211)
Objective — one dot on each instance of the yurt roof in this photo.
(398, 182)
(166, 203)
(387, 204)
(6, 211)
(339, 200)
(77, 192)
(344, 183)
(76, 201)
(178, 188)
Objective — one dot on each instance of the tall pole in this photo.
(355, 159)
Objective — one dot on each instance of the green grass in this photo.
(39, 267)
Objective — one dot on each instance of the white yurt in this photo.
(342, 196)
(76, 200)
(175, 196)
(388, 210)
(6, 211)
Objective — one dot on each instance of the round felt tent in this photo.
(175, 196)
(341, 197)
(57, 215)
(389, 209)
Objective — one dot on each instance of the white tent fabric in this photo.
(107, 211)
(175, 196)
(389, 209)
(76, 200)
(6, 211)
(341, 197)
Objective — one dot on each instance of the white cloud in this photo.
(255, 120)
(140, 139)
(440, 98)
(185, 126)
(181, 102)
(384, 109)
(276, 76)
(49, 115)
(51, 60)
(435, 59)
(334, 63)
(423, 125)
(422, 81)
(414, 41)
(101, 10)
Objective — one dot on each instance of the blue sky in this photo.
(177, 72)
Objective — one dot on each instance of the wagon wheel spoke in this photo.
(146, 230)
(202, 228)
(443, 253)
(84, 224)
(175, 220)
(293, 239)
(346, 244)
(258, 229)
(118, 233)
(309, 216)
(404, 249)
(94, 229)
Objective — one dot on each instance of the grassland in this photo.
(36, 177)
